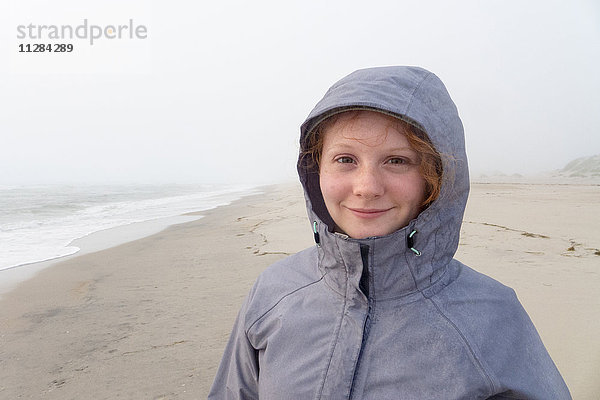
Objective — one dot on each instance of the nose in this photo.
(368, 183)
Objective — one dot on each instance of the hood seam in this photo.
(412, 95)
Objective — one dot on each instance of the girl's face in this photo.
(369, 175)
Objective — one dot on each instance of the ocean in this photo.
(39, 223)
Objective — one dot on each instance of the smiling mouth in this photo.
(368, 212)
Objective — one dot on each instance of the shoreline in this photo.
(149, 318)
(90, 243)
(105, 239)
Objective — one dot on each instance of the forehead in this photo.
(366, 127)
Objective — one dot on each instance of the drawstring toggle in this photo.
(317, 238)
(410, 243)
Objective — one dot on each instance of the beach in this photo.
(149, 318)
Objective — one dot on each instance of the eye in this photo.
(344, 160)
(397, 161)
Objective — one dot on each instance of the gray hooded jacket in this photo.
(391, 317)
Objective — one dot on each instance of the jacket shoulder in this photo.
(283, 278)
(469, 283)
(481, 303)
(500, 336)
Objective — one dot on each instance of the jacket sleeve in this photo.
(237, 376)
(525, 369)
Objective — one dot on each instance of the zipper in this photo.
(364, 286)
(366, 328)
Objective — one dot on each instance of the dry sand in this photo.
(149, 319)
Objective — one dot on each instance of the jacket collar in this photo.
(395, 269)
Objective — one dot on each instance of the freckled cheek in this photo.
(332, 187)
(412, 188)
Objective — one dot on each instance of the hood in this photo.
(419, 97)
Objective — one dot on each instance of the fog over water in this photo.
(216, 92)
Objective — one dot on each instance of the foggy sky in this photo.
(217, 92)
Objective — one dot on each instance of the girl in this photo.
(379, 308)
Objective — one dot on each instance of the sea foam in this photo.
(39, 223)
